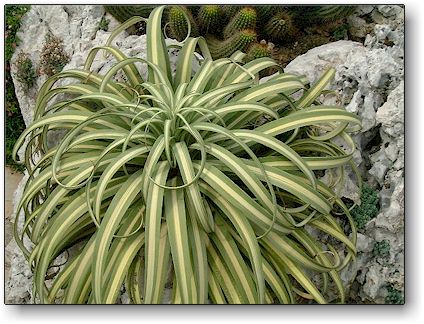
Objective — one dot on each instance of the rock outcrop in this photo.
(369, 82)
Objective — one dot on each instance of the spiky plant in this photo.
(280, 27)
(209, 18)
(265, 12)
(124, 12)
(237, 42)
(230, 11)
(258, 50)
(243, 19)
(173, 170)
(179, 18)
(316, 14)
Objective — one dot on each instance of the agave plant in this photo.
(205, 181)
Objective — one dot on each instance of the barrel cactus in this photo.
(179, 17)
(124, 12)
(280, 27)
(209, 18)
(243, 19)
(237, 42)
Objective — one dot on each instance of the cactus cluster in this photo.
(228, 28)
(245, 18)
(258, 50)
(125, 12)
(315, 14)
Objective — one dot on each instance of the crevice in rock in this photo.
(374, 144)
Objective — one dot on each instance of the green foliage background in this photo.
(14, 123)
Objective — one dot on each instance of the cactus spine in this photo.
(178, 23)
(280, 27)
(209, 18)
(239, 41)
(123, 13)
(244, 19)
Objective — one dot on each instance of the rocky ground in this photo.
(369, 81)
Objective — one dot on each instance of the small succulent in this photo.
(394, 296)
(25, 72)
(104, 24)
(381, 249)
(53, 56)
(368, 209)
(258, 50)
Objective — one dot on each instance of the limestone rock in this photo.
(375, 282)
(18, 285)
(75, 25)
(391, 114)
(364, 243)
(369, 79)
(319, 59)
(364, 9)
(390, 10)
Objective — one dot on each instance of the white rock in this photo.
(391, 114)
(392, 217)
(364, 9)
(355, 103)
(368, 112)
(18, 286)
(75, 25)
(364, 243)
(390, 10)
(381, 32)
(391, 151)
(319, 59)
(375, 280)
(370, 81)
(380, 166)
